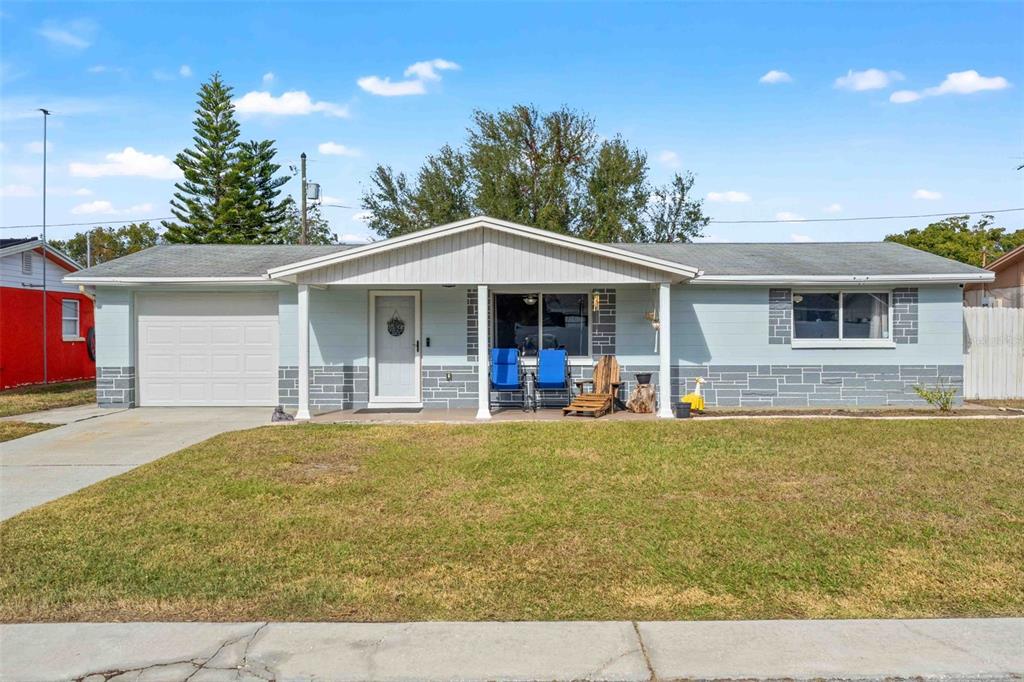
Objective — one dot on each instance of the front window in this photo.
(535, 321)
(841, 315)
(69, 318)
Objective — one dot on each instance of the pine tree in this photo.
(256, 214)
(198, 204)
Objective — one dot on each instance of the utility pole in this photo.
(302, 232)
(45, 341)
(88, 248)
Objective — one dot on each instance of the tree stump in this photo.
(642, 399)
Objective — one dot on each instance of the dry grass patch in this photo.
(565, 520)
(9, 430)
(27, 399)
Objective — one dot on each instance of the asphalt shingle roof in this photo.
(827, 258)
(810, 259)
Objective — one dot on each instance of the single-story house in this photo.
(1006, 290)
(402, 322)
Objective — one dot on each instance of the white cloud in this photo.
(958, 83)
(17, 191)
(129, 162)
(774, 77)
(103, 68)
(833, 208)
(418, 75)
(76, 34)
(294, 103)
(669, 158)
(927, 195)
(82, 192)
(107, 208)
(788, 216)
(428, 70)
(185, 71)
(730, 197)
(335, 149)
(362, 216)
(268, 78)
(796, 237)
(37, 147)
(869, 79)
(354, 239)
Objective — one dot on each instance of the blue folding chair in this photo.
(552, 375)
(507, 376)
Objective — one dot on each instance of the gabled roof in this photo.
(612, 251)
(819, 261)
(1006, 259)
(9, 247)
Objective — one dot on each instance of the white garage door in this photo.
(207, 349)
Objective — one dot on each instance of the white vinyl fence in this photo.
(993, 353)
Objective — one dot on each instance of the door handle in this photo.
(417, 345)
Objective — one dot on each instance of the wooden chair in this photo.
(600, 400)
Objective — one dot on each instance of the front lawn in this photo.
(27, 399)
(9, 430)
(567, 520)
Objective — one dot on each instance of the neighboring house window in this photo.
(853, 317)
(69, 319)
(26, 262)
(535, 321)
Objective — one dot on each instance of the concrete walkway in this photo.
(90, 447)
(205, 652)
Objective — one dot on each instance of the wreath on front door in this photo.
(396, 325)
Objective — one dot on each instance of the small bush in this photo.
(940, 397)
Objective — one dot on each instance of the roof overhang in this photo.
(143, 281)
(846, 280)
(671, 269)
(53, 253)
(1006, 259)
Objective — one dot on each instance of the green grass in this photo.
(566, 520)
(46, 397)
(9, 430)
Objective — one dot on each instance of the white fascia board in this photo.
(473, 223)
(815, 280)
(131, 281)
(52, 250)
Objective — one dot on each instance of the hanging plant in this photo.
(396, 325)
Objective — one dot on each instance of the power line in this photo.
(718, 222)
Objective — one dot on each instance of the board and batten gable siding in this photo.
(728, 325)
(12, 276)
(482, 257)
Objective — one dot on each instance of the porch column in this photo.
(303, 412)
(483, 353)
(665, 350)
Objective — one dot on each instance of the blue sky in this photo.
(879, 109)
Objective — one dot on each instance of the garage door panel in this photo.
(208, 349)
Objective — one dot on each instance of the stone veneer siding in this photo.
(814, 385)
(472, 342)
(331, 387)
(904, 315)
(115, 386)
(780, 316)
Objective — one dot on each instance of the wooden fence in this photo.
(993, 353)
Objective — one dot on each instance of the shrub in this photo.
(940, 396)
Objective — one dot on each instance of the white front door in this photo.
(394, 348)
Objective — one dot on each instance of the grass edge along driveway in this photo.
(575, 520)
(25, 399)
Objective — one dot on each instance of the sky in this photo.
(783, 111)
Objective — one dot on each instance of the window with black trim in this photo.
(534, 321)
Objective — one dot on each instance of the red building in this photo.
(70, 342)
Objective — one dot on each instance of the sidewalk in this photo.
(205, 652)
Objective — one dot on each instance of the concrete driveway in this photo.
(47, 465)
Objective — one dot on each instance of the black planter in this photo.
(682, 410)
(643, 378)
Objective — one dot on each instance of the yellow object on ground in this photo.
(696, 401)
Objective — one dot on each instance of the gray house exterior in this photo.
(401, 323)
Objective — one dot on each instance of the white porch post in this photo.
(664, 350)
(303, 412)
(483, 398)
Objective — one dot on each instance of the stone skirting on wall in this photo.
(814, 385)
(115, 386)
(449, 386)
(331, 387)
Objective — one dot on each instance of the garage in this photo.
(207, 349)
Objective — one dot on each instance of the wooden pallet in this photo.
(594, 404)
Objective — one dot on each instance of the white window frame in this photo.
(839, 342)
(77, 318)
(26, 263)
(574, 360)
